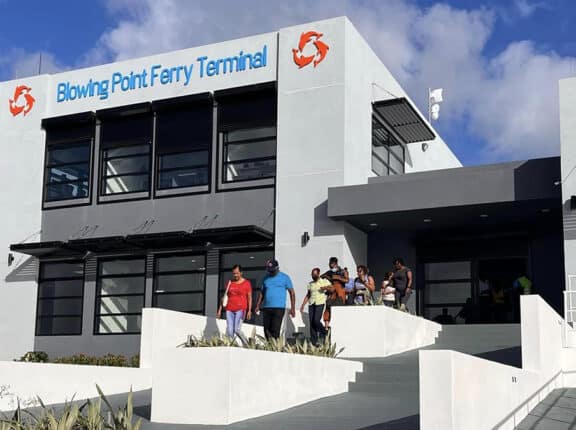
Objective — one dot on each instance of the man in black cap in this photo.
(337, 292)
(272, 299)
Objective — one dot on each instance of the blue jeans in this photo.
(234, 323)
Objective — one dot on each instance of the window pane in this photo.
(244, 151)
(58, 326)
(381, 152)
(246, 259)
(184, 282)
(448, 293)
(449, 270)
(60, 288)
(250, 170)
(379, 167)
(250, 133)
(120, 166)
(60, 307)
(121, 267)
(180, 302)
(179, 263)
(398, 150)
(124, 151)
(183, 178)
(68, 154)
(132, 285)
(126, 131)
(189, 159)
(61, 270)
(73, 190)
(69, 172)
(121, 305)
(396, 164)
(126, 184)
(119, 324)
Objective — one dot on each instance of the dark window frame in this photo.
(59, 123)
(222, 134)
(39, 299)
(114, 115)
(157, 273)
(99, 295)
(391, 141)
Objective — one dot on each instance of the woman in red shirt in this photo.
(238, 308)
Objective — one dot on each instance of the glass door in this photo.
(448, 288)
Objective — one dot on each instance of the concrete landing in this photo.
(556, 412)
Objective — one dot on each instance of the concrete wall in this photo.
(396, 331)
(458, 391)
(59, 383)
(230, 392)
(567, 90)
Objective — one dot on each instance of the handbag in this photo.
(225, 296)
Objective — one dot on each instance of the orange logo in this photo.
(313, 37)
(16, 106)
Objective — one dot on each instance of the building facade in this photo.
(140, 183)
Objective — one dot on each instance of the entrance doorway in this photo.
(472, 291)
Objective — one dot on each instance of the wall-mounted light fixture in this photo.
(304, 239)
(424, 146)
(572, 203)
(10, 259)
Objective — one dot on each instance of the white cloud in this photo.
(509, 101)
(19, 63)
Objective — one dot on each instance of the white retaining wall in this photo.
(379, 331)
(58, 383)
(224, 385)
(163, 329)
(461, 392)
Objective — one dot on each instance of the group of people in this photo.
(334, 287)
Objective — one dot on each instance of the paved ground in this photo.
(556, 412)
(385, 395)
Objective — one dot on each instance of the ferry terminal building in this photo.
(141, 183)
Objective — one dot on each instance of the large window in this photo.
(60, 299)
(125, 153)
(68, 160)
(247, 137)
(120, 295)
(180, 283)
(183, 142)
(253, 266)
(388, 155)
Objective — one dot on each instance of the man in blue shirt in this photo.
(272, 299)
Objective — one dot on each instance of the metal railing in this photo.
(569, 310)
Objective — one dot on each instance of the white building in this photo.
(147, 179)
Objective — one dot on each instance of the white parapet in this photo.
(164, 329)
(379, 331)
(219, 386)
(59, 383)
(462, 392)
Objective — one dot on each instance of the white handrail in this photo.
(569, 308)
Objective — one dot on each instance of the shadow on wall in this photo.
(510, 356)
(323, 225)
(534, 179)
(25, 272)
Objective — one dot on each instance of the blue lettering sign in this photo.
(158, 74)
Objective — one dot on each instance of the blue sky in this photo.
(499, 61)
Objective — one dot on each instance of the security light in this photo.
(427, 220)
(373, 224)
(304, 239)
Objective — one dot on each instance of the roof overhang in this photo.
(401, 117)
(226, 236)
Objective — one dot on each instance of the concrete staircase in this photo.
(385, 396)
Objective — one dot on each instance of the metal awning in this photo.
(402, 118)
(242, 235)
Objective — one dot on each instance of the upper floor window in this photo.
(183, 144)
(68, 160)
(388, 155)
(125, 152)
(247, 137)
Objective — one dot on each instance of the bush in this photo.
(304, 347)
(34, 357)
